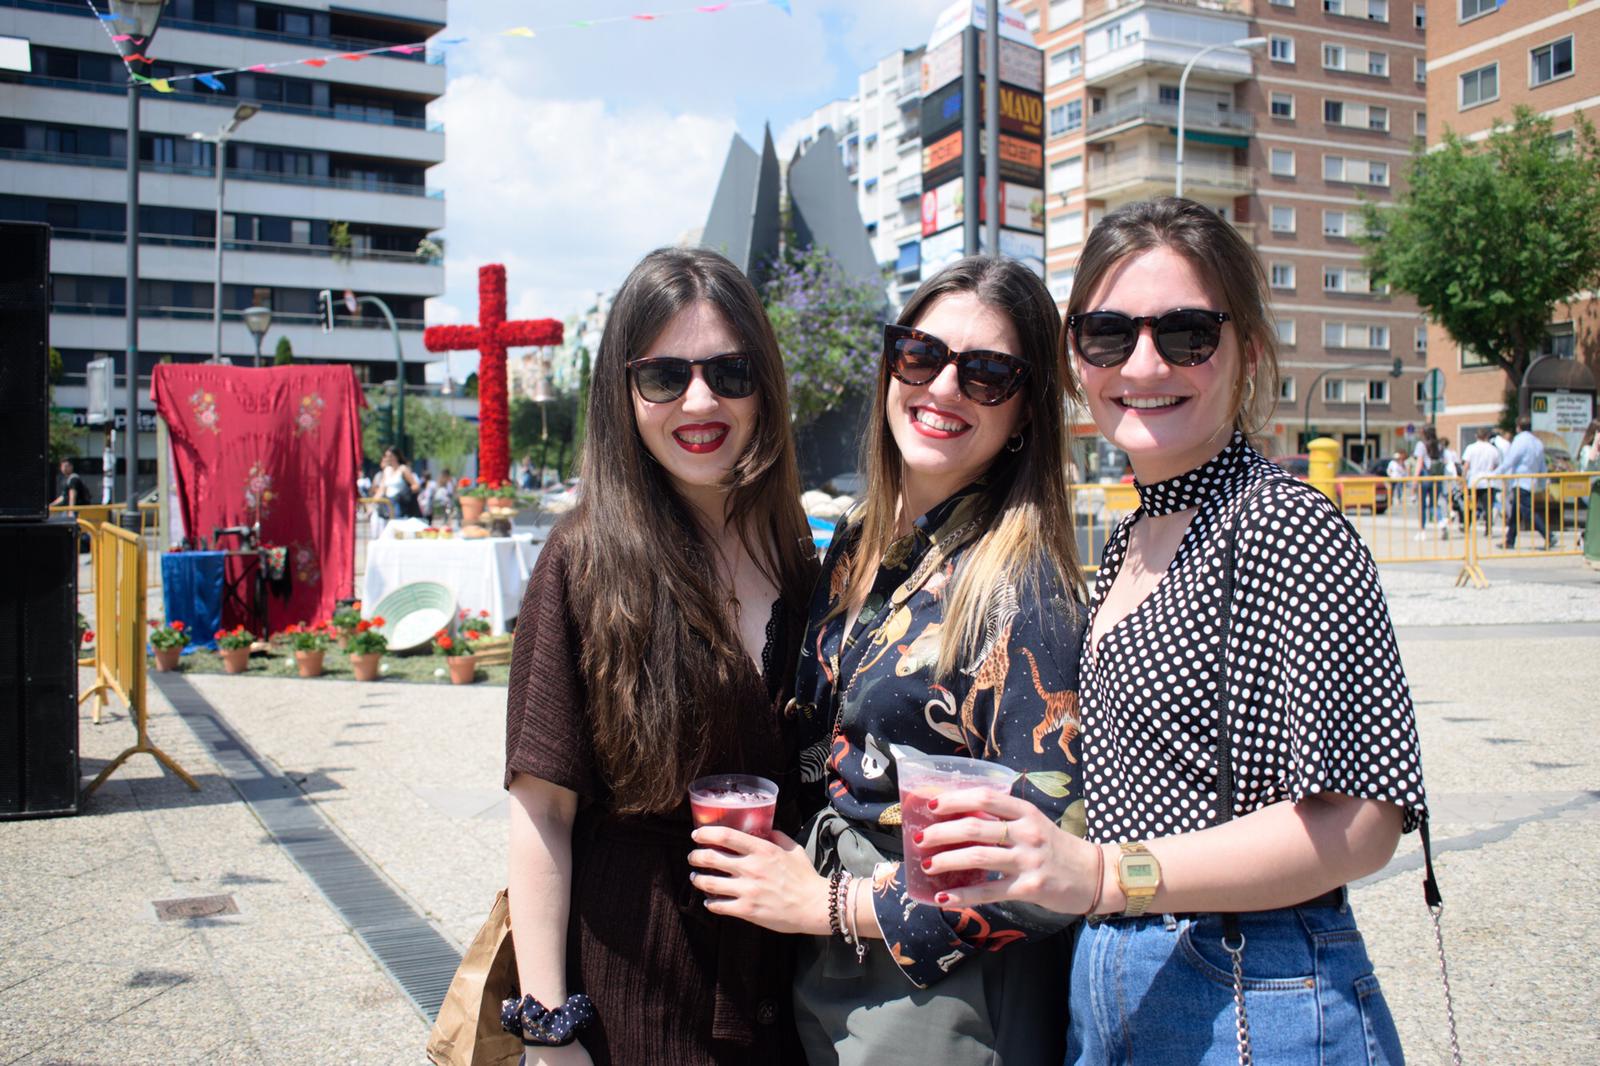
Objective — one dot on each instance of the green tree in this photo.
(65, 440)
(284, 354)
(829, 327)
(432, 431)
(548, 432)
(1490, 235)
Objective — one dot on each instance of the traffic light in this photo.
(1397, 368)
(325, 310)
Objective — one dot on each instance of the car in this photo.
(1353, 489)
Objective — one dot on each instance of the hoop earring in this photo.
(1016, 441)
(1250, 393)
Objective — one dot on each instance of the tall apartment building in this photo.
(1286, 144)
(326, 186)
(881, 146)
(1483, 60)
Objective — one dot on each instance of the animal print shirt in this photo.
(1015, 703)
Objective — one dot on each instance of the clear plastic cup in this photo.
(739, 801)
(924, 778)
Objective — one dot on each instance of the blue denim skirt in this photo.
(1158, 991)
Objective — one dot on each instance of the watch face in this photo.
(1139, 872)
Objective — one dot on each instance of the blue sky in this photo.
(571, 155)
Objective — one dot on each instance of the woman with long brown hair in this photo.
(654, 646)
(1249, 744)
(947, 620)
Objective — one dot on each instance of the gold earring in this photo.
(1250, 392)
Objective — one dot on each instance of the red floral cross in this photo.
(491, 337)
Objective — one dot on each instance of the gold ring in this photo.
(1005, 833)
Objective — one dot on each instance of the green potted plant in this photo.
(366, 647)
(310, 644)
(472, 626)
(343, 622)
(474, 497)
(457, 656)
(502, 495)
(235, 646)
(85, 638)
(168, 642)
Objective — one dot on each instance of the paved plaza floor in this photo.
(404, 781)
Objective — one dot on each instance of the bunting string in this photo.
(211, 79)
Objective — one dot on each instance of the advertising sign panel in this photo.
(1562, 414)
(941, 160)
(1021, 207)
(1021, 113)
(942, 249)
(941, 65)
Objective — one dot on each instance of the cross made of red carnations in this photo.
(491, 337)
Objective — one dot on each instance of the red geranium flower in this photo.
(483, 614)
(378, 622)
(153, 624)
(88, 636)
(219, 634)
(445, 642)
(363, 625)
(472, 634)
(177, 627)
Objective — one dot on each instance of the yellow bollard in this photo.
(1324, 465)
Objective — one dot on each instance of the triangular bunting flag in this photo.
(161, 86)
(210, 82)
(517, 31)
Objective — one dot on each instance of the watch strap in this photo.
(1138, 899)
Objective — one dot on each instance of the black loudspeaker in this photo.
(24, 371)
(39, 670)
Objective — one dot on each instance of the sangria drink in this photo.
(923, 778)
(739, 801)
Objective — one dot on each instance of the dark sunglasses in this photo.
(1185, 337)
(665, 378)
(916, 358)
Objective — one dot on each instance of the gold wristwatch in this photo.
(1139, 875)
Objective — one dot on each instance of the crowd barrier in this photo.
(1410, 519)
(117, 563)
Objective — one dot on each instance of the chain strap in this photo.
(1444, 975)
(1236, 953)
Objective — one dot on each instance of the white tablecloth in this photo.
(486, 575)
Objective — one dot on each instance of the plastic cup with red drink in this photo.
(924, 778)
(739, 801)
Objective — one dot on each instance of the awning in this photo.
(1227, 140)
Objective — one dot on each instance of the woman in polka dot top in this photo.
(1249, 743)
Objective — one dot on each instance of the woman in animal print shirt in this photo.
(948, 618)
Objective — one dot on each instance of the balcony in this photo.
(1136, 56)
(1096, 9)
(111, 163)
(910, 91)
(1143, 176)
(1151, 113)
(909, 187)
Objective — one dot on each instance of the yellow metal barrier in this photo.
(1532, 515)
(118, 559)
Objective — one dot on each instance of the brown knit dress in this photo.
(672, 984)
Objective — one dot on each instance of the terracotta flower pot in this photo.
(236, 660)
(498, 503)
(309, 663)
(365, 667)
(167, 659)
(463, 669)
(471, 508)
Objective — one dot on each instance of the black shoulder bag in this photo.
(1232, 934)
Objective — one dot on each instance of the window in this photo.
(1421, 70)
(1281, 49)
(1283, 275)
(1332, 279)
(1069, 229)
(1167, 94)
(1333, 56)
(1377, 173)
(1559, 341)
(1282, 3)
(1378, 337)
(1378, 64)
(1378, 391)
(1074, 60)
(1377, 10)
(1061, 284)
(1419, 16)
(1333, 111)
(1550, 62)
(1031, 20)
(1333, 168)
(1333, 391)
(1377, 118)
(1282, 219)
(1471, 9)
(1281, 162)
(1421, 123)
(1065, 64)
(1354, 335)
(1066, 174)
(1422, 340)
(1286, 387)
(1058, 120)
(1282, 105)
(1074, 114)
(1065, 12)
(1285, 330)
(1333, 7)
(1480, 86)
(1421, 391)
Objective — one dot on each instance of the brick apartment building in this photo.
(1483, 61)
(1286, 141)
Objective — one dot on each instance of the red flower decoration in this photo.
(464, 483)
(378, 622)
(472, 634)
(153, 624)
(445, 642)
(219, 634)
(177, 627)
(363, 625)
(88, 636)
(483, 614)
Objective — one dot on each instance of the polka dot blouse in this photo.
(1320, 701)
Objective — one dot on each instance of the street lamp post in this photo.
(258, 320)
(1183, 88)
(241, 114)
(137, 21)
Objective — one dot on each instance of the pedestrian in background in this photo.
(1525, 456)
(1588, 457)
(1397, 468)
(108, 467)
(1427, 461)
(1482, 459)
(71, 490)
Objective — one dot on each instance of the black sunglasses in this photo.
(1185, 337)
(916, 358)
(665, 378)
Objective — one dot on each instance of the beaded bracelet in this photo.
(539, 1025)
